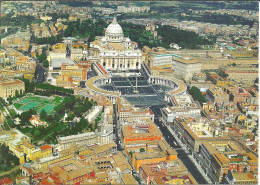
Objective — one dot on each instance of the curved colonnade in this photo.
(178, 86)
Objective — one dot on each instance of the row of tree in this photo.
(44, 89)
(196, 94)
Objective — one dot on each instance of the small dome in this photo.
(114, 28)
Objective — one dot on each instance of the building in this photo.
(114, 51)
(149, 172)
(123, 9)
(72, 171)
(195, 131)
(140, 159)
(35, 121)
(55, 68)
(129, 179)
(105, 136)
(238, 94)
(217, 95)
(208, 149)
(76, 54)
(158, 60)
(139, 133)
(151, 27)
(238, 178)
(9, 87)
(239, 162)
(183, 105)
(186, 68)
(20, 145)
(129, 114)
(20, 40)
(92, 165)
(218, 80)
(242, 73)
(176, 179)
(71, 75)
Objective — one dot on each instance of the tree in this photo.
(9, 99)
(36, 133)
(7, 160)
(29, 86)
(131, 153)
(42, 57)
(2, 101)
(256, 80)
(21, 92)
(25, 116)
(45, 64)
(16, 93)
(43, 114)
(196, 94)
(142, 149)
(70, 117)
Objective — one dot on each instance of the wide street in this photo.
(182, 155)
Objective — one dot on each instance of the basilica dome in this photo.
(114, 28)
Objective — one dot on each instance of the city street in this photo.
(182, 154)
(40, 73)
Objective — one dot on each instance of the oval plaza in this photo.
(122, 71)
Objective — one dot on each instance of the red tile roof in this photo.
(45, 147)
(150, 112)
(6, 180)
(101, 68)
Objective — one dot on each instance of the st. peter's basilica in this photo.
(114, 51)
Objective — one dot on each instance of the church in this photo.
(114, 51)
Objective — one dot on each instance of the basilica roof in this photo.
(114, 28)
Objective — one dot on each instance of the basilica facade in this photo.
(114, 51)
